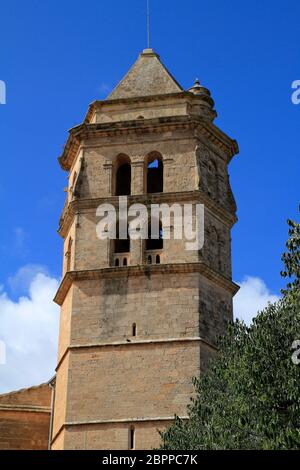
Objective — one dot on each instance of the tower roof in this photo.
(148, 76)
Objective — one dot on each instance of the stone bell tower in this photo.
(139, 318)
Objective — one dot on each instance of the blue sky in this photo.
(58, 56)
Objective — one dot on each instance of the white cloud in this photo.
(29, 330)
(252, 297)
(21, 281)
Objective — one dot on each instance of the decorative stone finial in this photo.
(205, 102)
(196, 88)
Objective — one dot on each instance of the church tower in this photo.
(139, 318)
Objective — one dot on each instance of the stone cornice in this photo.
(197, 196)
(125, 420)
(25, 408)
(140, 127)
(134, 101)
(138, 342)
(219, 139)
(143, 270)
(158, 419)
(146, 99)
(134, 343)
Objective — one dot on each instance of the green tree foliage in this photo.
(291, 259)
(249, 397)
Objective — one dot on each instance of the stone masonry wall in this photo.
(105, 310)
(25, 419)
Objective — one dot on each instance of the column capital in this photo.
(168, 160)
(108, 165)
(137, 163)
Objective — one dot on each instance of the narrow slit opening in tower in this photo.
(131, 438)
(134, 329)
(73, 184)
(69, 254)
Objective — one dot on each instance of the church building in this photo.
(139, 318)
